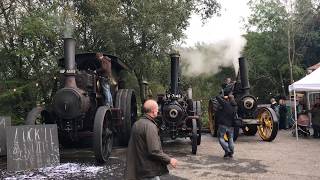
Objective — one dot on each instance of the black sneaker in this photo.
(231, 154)
(228, 155)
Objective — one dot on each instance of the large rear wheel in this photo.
(126, 101)
(268, 124)
(102, 134)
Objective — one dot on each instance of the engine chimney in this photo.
(175, 58)
(69, 62)
(243, 67)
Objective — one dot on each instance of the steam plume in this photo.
(68, 28)
(207, 58)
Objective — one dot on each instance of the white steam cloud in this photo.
(208, 58)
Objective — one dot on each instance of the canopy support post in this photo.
(295, 112)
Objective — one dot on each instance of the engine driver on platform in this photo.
(106, 77)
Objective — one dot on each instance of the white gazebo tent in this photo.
(310, 83)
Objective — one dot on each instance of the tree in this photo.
(307, 40)
(277, 41)
(29, 44)
(142, 33)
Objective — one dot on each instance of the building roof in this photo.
(314, 67)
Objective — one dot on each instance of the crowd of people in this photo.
(286, 118)
(281, 111)
(146, 159)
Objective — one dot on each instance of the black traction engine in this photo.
(179, 115)
(78, 106)
(253, 117)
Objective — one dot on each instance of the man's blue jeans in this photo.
(228, 146)
(106, 92)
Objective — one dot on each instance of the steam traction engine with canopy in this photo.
(254, 118)
(78, 106)
(179, 115)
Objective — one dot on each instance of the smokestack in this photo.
(69, 62)
(175, 58)
(243, 67)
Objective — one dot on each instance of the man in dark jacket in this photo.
(225, 118)
(282, 114)
(145, 158)
(315, 111)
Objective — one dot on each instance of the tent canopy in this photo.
(309, 83)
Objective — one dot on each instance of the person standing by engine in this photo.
(315, 111)
(226, 82)
(145, 158)
(227, 86)
(282, 114)
(225, 117)
(106, 76)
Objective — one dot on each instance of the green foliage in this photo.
(281, 38)
(18, 101)
(139, 32)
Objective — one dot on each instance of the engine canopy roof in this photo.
(85, 61)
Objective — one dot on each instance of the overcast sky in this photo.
(226, 26)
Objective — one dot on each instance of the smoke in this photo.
(68, 28)
(66, 19)
(208, 58)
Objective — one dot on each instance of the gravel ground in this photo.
(284, 158)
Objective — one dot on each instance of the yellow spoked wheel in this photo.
(268, 124)
(212, 124)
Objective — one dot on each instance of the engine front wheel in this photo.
(194, 136)
(102, 134)
(198, 112)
